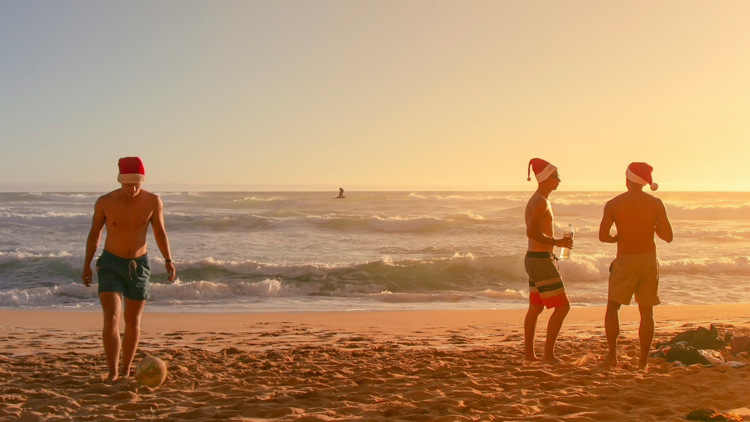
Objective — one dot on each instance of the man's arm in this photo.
(533, 228)
(663, 227)
(92, 242)
(606, 225)
(162, 241)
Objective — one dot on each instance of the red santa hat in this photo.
(641, 173)
(542, 169)
(131, 170)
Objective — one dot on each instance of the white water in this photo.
(305, 251)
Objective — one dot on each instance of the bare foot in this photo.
(531, 358)
(112, 379)
(610, 361)
(642, 364)
(551, 360)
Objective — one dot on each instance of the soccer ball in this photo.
(151, 371)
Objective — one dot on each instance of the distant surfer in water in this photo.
(123, 266)
(341, 194)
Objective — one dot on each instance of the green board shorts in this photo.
(129, 277)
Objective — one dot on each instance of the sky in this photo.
(373, 95)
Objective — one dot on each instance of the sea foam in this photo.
(387, 250)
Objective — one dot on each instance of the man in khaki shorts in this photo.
(637, 216)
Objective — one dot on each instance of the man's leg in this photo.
(111, 307)
(645, 334)
(553, 330)
(529, 329)
(133, 311)
(612, 328)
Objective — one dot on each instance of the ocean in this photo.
(373, 251)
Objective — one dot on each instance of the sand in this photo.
(415, 366)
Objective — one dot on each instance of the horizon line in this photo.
(394, 189)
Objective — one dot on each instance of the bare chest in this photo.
(127, 218)
(547, 221)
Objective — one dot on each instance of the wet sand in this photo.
(415, 366)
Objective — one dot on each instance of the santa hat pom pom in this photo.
(654, 186)
(528, 179)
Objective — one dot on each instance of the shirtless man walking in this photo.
(123, 266)
(637, 216)
(546, 287)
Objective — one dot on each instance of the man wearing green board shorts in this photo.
(123, 267)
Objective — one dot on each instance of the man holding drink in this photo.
(546, 287)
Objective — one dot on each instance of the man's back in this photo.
(635, 271)
(637, 216)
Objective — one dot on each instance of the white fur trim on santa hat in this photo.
(131, 178)
(635, 178)
(546, 173)
(638, 179)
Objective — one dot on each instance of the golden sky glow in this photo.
(374, 95)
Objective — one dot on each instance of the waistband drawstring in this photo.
(132, 266)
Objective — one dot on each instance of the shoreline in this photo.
(153, 320)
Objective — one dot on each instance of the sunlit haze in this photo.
(373, 95)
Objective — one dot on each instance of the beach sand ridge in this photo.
(297, 368)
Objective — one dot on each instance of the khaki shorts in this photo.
(634, 274)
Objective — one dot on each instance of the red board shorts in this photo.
(545, 284)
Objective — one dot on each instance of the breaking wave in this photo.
(675, 211)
